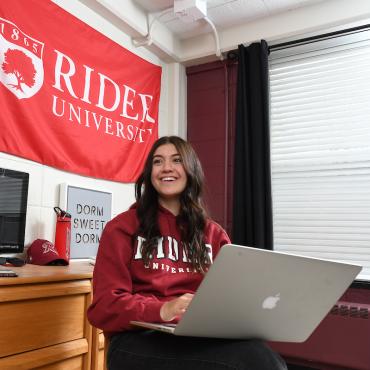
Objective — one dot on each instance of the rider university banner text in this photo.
(72, 98)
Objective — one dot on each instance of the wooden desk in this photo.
(43, 322)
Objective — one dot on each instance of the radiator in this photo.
(341, 341)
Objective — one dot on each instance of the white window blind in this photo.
(320, 149)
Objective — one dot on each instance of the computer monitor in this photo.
(13, 210)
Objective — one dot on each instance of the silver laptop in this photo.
(254, 293)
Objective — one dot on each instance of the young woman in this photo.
(150, 262)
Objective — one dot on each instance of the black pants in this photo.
(141, 350)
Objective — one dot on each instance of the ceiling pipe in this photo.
(218, 51)
(147, 39)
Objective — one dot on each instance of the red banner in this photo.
(72, 98)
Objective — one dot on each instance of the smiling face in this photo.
(168, 174)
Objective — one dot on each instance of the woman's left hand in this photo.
(176, 307)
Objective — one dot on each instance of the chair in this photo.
(106, 346)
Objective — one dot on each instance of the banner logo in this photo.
(21, 66)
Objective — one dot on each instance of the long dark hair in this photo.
(192, 217)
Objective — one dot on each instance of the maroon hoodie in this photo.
(124, 289)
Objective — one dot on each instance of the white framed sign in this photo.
(90, 210)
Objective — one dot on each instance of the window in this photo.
(320, 147)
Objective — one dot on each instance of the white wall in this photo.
(44, 180)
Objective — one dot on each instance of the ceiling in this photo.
(223, 13)
(153, 25)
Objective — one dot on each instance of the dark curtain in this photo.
(252, 203)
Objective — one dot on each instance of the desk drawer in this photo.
(35, 322)
(65, 356)
(75, 363)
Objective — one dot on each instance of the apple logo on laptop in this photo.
(270, 302)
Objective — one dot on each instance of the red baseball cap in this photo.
(42, 252)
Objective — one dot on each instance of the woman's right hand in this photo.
(176, 307)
